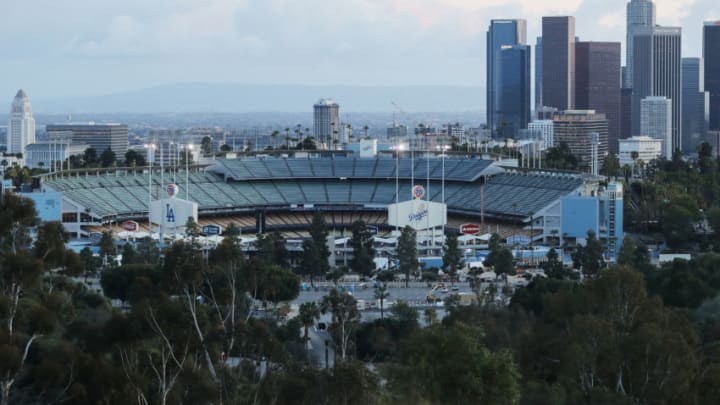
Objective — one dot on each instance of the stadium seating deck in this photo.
(339, 182)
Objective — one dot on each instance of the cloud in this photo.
(138, 43)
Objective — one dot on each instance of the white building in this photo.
(646, 148)
(543, 130)
(656, 121)
(51, 155)
(21, 126)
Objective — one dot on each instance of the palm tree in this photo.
(287, 138)
(274, 136)
(381, 292)
(366, 128)
(309, 313)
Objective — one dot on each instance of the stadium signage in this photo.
(172, 190)
(130, 226)
(470, 229)
(211, 230)
(418, 192)
(372, 229)
(418, 214)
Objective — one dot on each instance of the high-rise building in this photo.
(558, 43)
(511, 103)
(711, 56)
(501, 33)
(625, 113)
(538, 73)
(640, 13)
(656, 121)
(657, 72)
(326, 122)
(597, 83)
(695, 104)
(98, 136)
(579, 129)
(21, 126)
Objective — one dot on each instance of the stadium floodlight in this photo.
(150, 157)
(188, 148)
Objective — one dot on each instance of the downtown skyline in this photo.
(65, 53)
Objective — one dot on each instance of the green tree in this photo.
(452, 257)
(133, 158)
(90, 157)
(407, 253)
(345, 318)
(590, 257)
(309, 314)
(108, 158)
(206, 146)
(448, 365)
(363, 250)
(315, 255)
(107, 245)
(610, 166)
(271, 248)
(381, 293)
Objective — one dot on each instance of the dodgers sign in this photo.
(418, 214)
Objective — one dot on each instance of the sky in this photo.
(71, 48)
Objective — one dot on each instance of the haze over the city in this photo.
(65, 50)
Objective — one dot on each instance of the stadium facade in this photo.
(283, 194)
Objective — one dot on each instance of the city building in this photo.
(582, 131)
(711, 56)
(695, 105)
(511, 103)
(21, 125)
(600, 212)
(98, 136)
(657, 72)
(543, 130)
(397, 131)
(502, 33)
(346, 134)
(326, 122)
(639, 149)
(625, 113)
(558, 45)
(52, 155)
(640, 14)
(656, 121)
(538, 74)
(597, 83)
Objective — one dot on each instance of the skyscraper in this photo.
(695, 104)
(538, 74)
(657, 71)
(640, 13)
(21, 126)
(711, 55)
(326, 122)
(597, 83)
(656, 121)
(558, 43)
(625, 113)
(512, 95)
(501, 33)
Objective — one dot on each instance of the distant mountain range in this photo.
(242, 98)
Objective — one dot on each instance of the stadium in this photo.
(282, 194)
